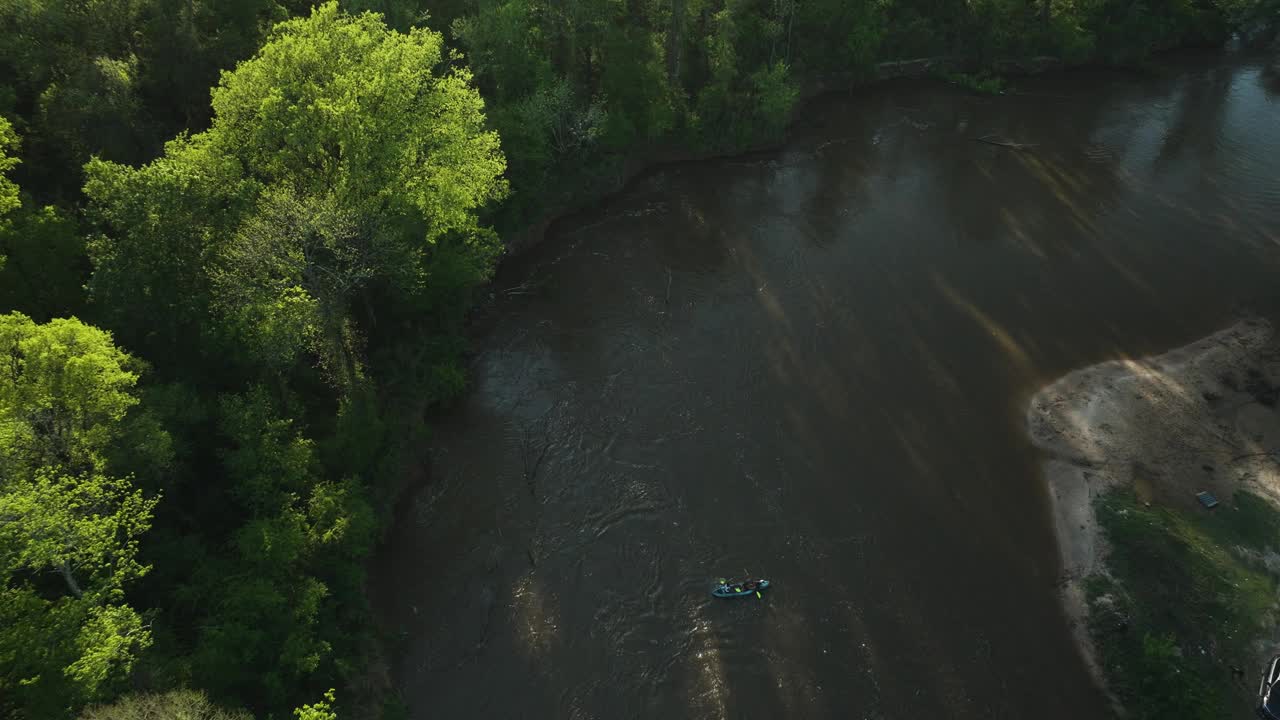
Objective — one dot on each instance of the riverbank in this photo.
(1142, 437)
(619, 172)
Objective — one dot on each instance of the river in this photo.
(813, 364)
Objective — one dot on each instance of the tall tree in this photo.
(160, 225)
(8, 189)
(64, 391)
(341, 154)
(342, 105)
(266, 633)
(8, 160)
(72, 69)
(40, 249)
(45, 271)
(68, 530)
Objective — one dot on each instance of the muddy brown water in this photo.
(813, 364)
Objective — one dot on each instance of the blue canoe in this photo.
(733, 590)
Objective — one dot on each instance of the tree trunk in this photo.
(791, 23)
(675, 43)
(72, 585)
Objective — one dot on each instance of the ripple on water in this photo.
(1099, 153)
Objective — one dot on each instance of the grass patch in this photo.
(983, 83)
(1251, 522)
(1184, 605)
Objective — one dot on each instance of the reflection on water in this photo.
(812, 365)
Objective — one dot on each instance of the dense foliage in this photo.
(271, 281)
(208, 527)
(69, 527)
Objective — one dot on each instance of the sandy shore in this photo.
(1201, 417)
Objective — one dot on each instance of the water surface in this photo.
(813, 364)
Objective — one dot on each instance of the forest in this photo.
(239, 241)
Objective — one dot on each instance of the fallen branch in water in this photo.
(1255, 455)
(533, 453)
(994, 140)
(1051, 96)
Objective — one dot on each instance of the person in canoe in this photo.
(740, 588)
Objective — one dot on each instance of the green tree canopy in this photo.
(8, 189)
(68, 645)
(160, 224)
(64, 390)
(322, 710)
(8, 160)
(267, 631)
(40, 249)
(341, 104)
(68, 531)
(373, 154)
(343, 153)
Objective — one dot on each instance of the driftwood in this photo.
(1050, 96)
(996, 140)
(1238, 458)
(533, 452)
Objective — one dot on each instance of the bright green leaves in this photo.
(57, 654)
(287, 276)
(340, 519)
(114, 78)
(322, 710)
(107, 645)
(8, 160)
(343, 171)
(85, 528)
(340, 157)
(8, 189)
(343, 105)
(69, 531)
(64, 389)
(374, 168)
